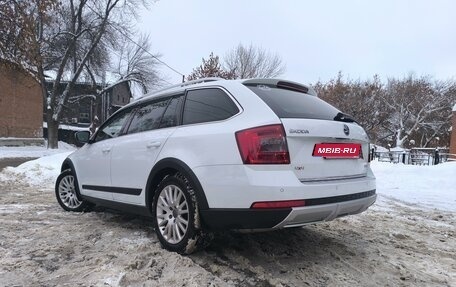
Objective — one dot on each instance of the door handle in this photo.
(153, 144)
(106, 150)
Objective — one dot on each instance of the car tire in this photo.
(67, 193)
(176, 217)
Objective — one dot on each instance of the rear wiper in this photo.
(341, 117)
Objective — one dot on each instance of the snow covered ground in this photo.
(431, 187)
(33, 151)
(406, 239)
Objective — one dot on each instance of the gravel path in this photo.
(389, 245)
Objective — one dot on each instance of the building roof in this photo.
(114, 84)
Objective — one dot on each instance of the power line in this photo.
(120, 56)
(166, 82)
(142, 48)
(145, 50)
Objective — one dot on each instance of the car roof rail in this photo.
(184, 84)
(198, 81)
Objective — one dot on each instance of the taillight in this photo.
(278, 204)
(263, 145)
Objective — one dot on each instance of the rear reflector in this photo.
(278, 204)
(263, 145)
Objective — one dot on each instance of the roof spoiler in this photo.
(282, 84)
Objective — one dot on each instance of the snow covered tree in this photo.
(415, 104)
(210, 68)
(69, 38)
(437, 131)
(360, 99)
(253, 62)
(21, 26)
(134, 63)
(409, 112)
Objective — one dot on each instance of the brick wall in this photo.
(21, 104)
(453, 134)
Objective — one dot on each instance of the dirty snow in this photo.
(406, 239)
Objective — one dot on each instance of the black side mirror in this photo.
(82, 137)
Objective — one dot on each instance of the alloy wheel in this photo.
(172, 214)
(67, 192)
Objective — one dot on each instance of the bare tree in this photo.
(360, 99)
(69, 38)
(21, 31)
(399, 112)
(436, 131)
(253, 62)
(412, 103)
(136, 64)
(210, 68)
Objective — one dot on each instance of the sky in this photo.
(315, 39)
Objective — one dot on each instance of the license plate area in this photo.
(337, 150)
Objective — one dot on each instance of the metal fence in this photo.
(415, 156)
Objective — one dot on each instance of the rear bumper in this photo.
(238, 186)
(319, 209)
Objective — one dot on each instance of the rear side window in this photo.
(291, 104)
(171, 116)
(208, 105)
(148, 117)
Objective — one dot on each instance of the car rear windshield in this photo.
(291, 104)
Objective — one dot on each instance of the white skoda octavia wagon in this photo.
(213, 154)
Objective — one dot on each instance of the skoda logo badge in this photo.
(346, 130)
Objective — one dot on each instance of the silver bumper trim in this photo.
(300, 216)
(332, 178)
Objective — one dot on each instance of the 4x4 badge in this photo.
(346, 130)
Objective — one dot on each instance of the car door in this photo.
(94, 159)
(134, 156)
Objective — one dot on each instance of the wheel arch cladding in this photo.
(67, 164)
(168, 166)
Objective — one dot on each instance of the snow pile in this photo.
(379, 148)
(33, 151)
(69, 127)
(420, 186)
(41, 172)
